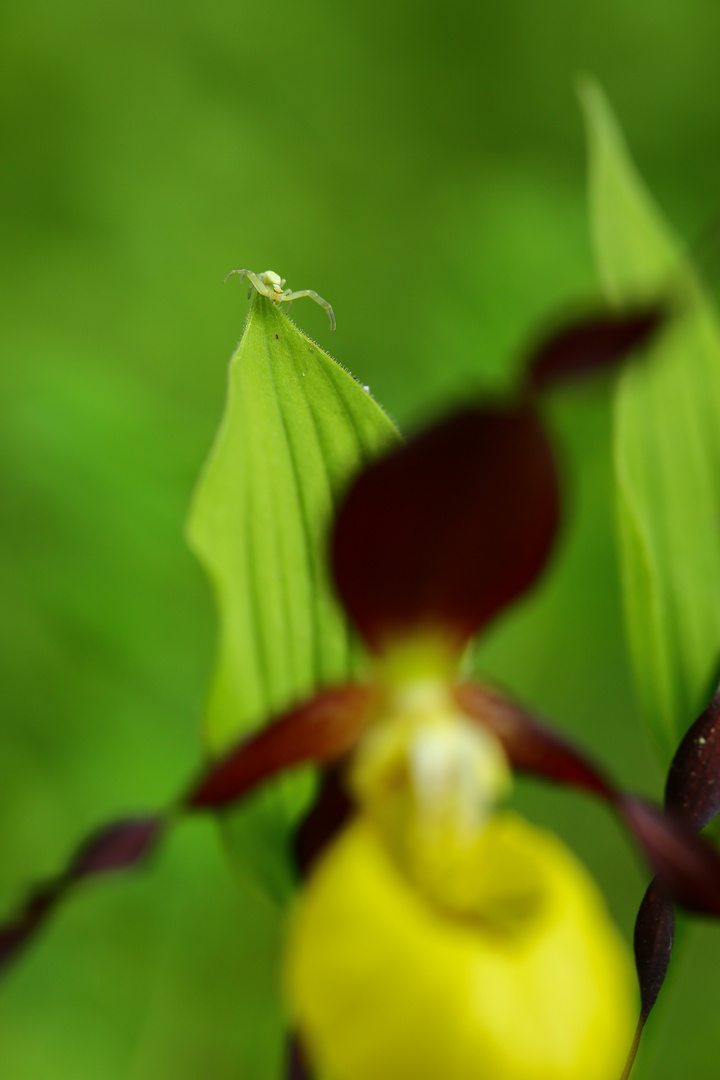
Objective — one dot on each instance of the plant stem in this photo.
(633, 1049)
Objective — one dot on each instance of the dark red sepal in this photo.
(531, 746)
(692, 794)
(317, 731)
(688, 871)
(693, 783)
(586, 345)
(16, 934)
(686, 865)
(448, 530)
(653, 941)
(320, 730)
(115, 847)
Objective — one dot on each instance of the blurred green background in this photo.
(421, 166)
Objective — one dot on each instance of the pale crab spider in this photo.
(272, 285)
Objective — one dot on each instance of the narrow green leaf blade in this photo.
(666, 444)
(297, 426)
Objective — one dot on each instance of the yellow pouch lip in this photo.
(385, 985)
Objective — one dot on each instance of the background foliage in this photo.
(422, 169)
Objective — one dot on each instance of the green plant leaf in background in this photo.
(297, 426)
(666, 444)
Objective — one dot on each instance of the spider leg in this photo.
(257, 283)
(318, 300)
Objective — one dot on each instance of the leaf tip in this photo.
(600, 119)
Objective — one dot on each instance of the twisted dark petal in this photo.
(530, 745)
(589, 344)
(687, 867)
(654, 935)
(11, 940)
(693, 784)
(16, 934)
(321, 730)
(448, 530)
(115, 847)
(692, 795)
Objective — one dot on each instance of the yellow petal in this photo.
(385, 985)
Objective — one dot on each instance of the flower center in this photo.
(430, 780)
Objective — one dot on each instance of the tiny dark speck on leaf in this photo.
(277, 336)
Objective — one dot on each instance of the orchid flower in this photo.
(436, 935)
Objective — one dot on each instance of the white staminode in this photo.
(422, 754)
(430, 780)
(458, 772)
(270, 284)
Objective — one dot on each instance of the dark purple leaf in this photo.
(321, 730)
(654, 935)
(586, 345)
(445, 532)
(693, 783)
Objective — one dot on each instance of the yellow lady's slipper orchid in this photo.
(435, 938)
(438, 939)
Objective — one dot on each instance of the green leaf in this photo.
(297, 426)
(666, 444)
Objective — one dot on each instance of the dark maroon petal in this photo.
(448, 530)
(320, 730)
(16, 934)
(12, 938)
(654, 935)
(326, 818)
(586, 345)
(687, 866)
(530, 745)
(693, 783)
(115, 847)
(692, 794)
